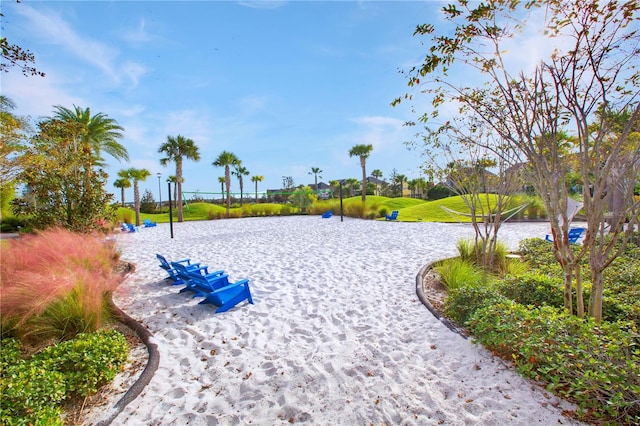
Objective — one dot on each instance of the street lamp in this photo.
(159, 192)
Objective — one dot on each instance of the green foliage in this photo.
(13, 224)
(64, 188)
(462, 302)
(598, 367)
(439, 191)
(148, 203)
(456, 273)
(522, 318)
(32, 390)
(303, 197)
(533, 289)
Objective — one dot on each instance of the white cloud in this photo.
(35, 96)
(138, 35)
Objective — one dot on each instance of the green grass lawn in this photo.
(410, 210)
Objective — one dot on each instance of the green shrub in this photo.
(598, 367)
(462, 302)
(285, 210)
(13, 224)
(88, 361)
(32, 390)
(532, 289)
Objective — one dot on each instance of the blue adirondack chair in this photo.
(148, 224)
(574, 234)
(223, 294)
(187, 275)
(173, 274)
(392, 216)
(327, 214)
(128, 227)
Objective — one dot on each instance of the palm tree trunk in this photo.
(179, 188)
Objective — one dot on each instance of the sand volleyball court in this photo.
(337, 335)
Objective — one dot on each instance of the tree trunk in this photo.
(179, 188)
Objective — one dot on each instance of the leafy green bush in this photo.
(532, 289)
(13, 224)
(32, 390)
(462, 302)
(598, 367)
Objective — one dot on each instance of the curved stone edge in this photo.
(149, 370)
(423, 298)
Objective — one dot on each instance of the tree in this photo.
(315, 171)
(240, 171)
(400, 180)
(287, 183)
(172, 179)
(101, 132)
(176, 150)
(12, 143)
(303, 197)
(590, 74)
(221, 181)
(123, 183)
(362, 151)
(60, 189)
(148, 203)
(227, 160)
(13, 55)
(352, 184)
(137, 175)
(256, 179)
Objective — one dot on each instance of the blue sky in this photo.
(284, 85)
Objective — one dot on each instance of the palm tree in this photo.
(315, 171)
(335, 185)
(240, 171)
(137, 175)
(101, 133)
(363, 152)
(351, 183)
(172, 179)
(256, 179)
(176, 149)
(123, 182)
(377, 173)
(221, 180)
(227, 160)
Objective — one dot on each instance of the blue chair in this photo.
(392, 216)
(186, 275)
(173, 274)
(128, 227)
(573, 235)
(148, 224)
(223, 294)
(327, 214)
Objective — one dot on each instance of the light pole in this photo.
(159, 192)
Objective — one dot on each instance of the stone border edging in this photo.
(149, 370)
(425, 301)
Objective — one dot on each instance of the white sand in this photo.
(337, 335)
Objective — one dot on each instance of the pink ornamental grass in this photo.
(56, 272)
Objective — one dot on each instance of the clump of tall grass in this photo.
(468, 251)
(55, 284)
(456, 273)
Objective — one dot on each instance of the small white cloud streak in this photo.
(55, 30)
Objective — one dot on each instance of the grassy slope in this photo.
(410, 209)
